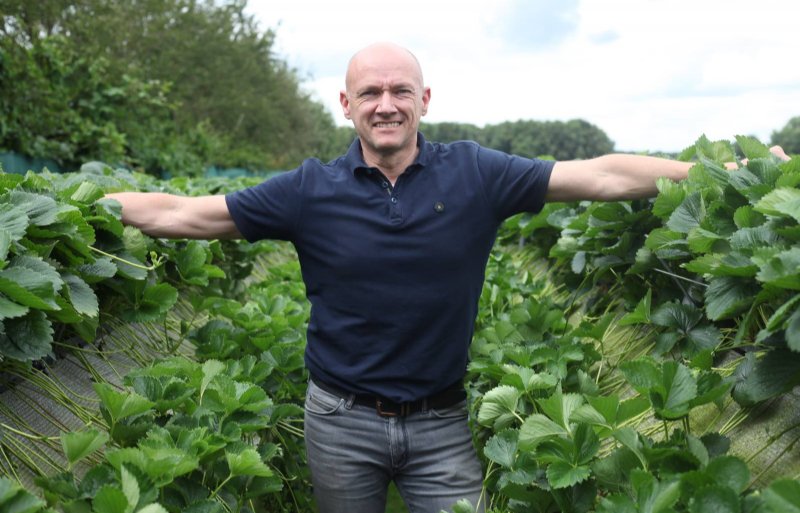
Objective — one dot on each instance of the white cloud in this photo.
(653, 74)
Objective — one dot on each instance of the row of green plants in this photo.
(586, 416)
(599, 400)
(212, 432)
(64, 252)
(598, 352)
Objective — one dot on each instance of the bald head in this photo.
(383, 54)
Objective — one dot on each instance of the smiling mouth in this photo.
(393, 124)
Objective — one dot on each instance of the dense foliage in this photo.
(607, 332)
(165, 85)
(574, 139)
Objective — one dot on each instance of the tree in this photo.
(789, 136)
(574, 139)
(224, 97)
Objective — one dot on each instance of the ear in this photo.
(426, 98)
(345, 104)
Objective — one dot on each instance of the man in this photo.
(393, 239)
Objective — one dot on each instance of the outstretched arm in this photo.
(612, 177)
(618, 177)
(177, 217)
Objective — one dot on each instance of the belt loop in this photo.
(425, 407)
(349, 400)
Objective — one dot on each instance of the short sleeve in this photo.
(269, 210)
(513, 184)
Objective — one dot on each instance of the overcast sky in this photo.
(653, 74)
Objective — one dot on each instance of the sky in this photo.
(654, 75)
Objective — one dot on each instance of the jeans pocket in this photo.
(456, 410)
(320, 402)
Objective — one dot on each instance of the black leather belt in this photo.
(388, 408)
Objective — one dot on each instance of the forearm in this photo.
(172, 216)
(635, 176)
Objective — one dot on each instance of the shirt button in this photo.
(438, 207)
(384, 184)
(394, 200)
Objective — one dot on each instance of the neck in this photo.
(392, 165)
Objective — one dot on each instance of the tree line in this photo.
(180, 85)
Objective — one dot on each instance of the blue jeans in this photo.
(354, 454)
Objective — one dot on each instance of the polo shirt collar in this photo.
(354, 159)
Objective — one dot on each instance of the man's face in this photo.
(385, 99)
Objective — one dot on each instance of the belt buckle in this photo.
(405, 409)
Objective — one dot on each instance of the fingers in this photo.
(778, 152)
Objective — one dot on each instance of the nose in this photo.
(386, 103)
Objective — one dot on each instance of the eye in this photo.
(368, 93)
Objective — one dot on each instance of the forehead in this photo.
(383, 67)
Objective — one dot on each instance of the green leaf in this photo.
(81, 296)
(101, 269)
(502, 448)
(130, 267)
(730, 472)
(586, 443)
(723, 264)
(629, 438)
(562, 474)
(781, 202)
(688, 215)
(728, 296)
(26, 338)
(210, 369)
(158, 508)
(154, 303)
(778, 319)
(10, 309)
(536, 429)
(641, 314)
(79, 444)
(463, 506)
(13, 221)
(5, 245)
(642, 374)
(135, 243)
(30, 284)
(617, 503)
(670, 197)
(752, 147)
(715, 499)
(87, 192)
(559, 407)
(130, 487)
(783, 496)
(679, 388)
(701, 240)
(781, 269)
(41, 210)
(121, 405)
(793, 332)
(110, 500)
(191, 261)
(777, 372)
(655, 496)
(747, 217)
(498, 407)
(247, 463)
(15, 499)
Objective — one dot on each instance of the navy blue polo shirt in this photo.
(393, 273)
